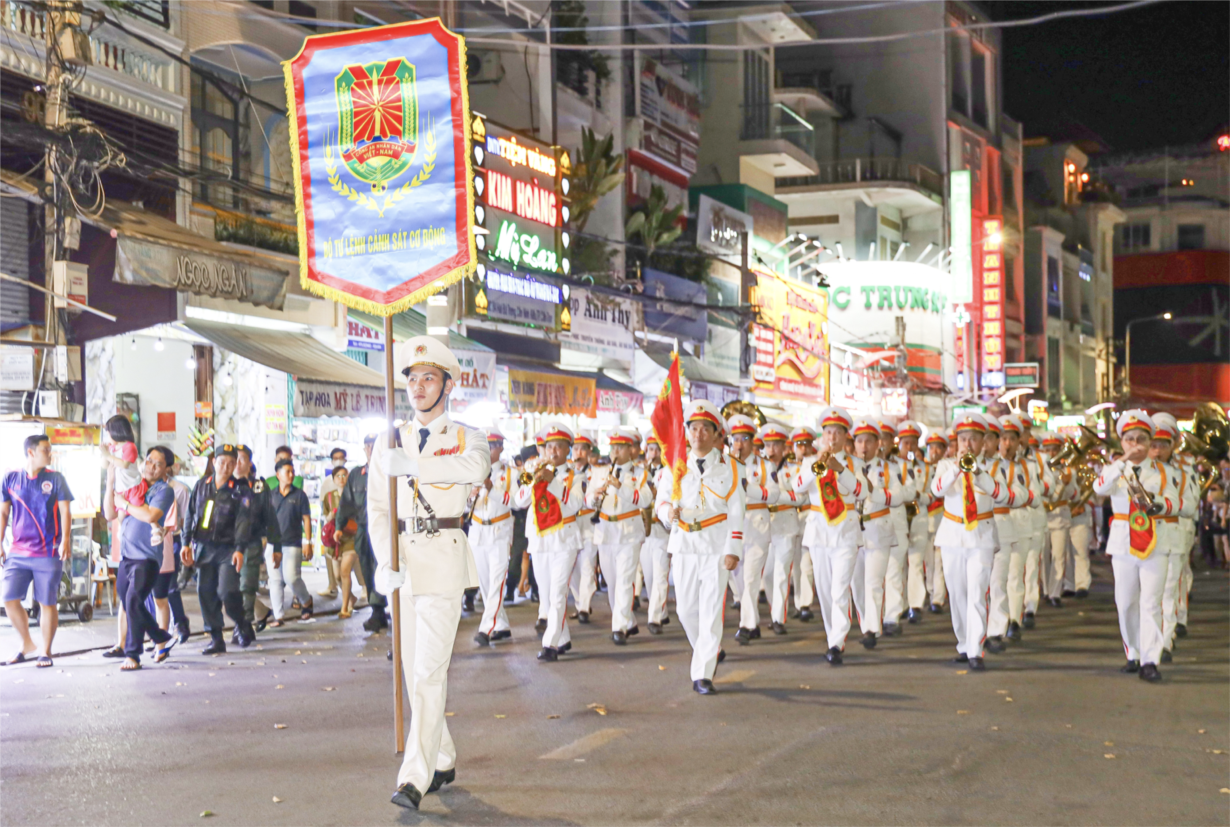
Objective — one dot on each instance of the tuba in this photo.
(1208, 442)
(748, 409)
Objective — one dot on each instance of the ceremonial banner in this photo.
(668, 427)
(383, 184)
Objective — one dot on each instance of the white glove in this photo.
(387, 580)
(395, 463)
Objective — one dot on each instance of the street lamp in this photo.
(1127, 348)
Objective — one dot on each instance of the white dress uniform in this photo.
(832, 534)
(584, 579)
(1043, 479)
(553, 543)
(1140, 566)
(1025, 561)
(1188, 526)
(1058, 525)
(491, 536)
(760, 493)
(655, 559)
(1079, 534)
(803, 574)
(1009, 528)
(1175, 543)
(709, 528)
(620, 530)
(967, 539)
(918, 535)
(783, 529)
(443, 460)
(937, 589)
(880, 539)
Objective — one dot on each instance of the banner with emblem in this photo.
(1142, 532)
(380, 142)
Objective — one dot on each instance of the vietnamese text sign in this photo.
(961, 232)
(557, 393)
(1022, 375)
(314, 399)
(477, 381)
(991, 266)
(602, 325)
(361, 337)
(380, 142)
(719, 228)
(145, 264)
(791, 346)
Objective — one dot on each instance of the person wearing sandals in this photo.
(35, 502)
(141, 553)
(285, 562)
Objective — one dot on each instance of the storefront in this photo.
(790, 371)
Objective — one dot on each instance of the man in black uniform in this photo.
(354, 506)
(264, 530)
(215, 533)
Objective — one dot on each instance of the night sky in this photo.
(1140, 79)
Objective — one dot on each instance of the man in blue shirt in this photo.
(141, 556)
(35, 502)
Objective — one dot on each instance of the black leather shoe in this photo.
(1130, 667)
(763, 600)
(235, 636)
(1081, 594)
(655, 628)
(1014, 631)
(1055, 602)
(216, 647)
(263, 622)
(482, 639)
(388, 655)
(619, 638)
(565, 647)
(407, 796)
(736, 605)
(582, 617)
(636, 604)
(869, 640)
(935, 609)
(743, 636)
(833, 656)
(977, 664)
(467, 605)
(666, 620)
(961, 658)
(891, 630)
(1149, 673)
(755, 632)
(721, 655)
(703, 687)
(797, 614)
(914, 616)
(541, 625)
(441, 778)
(778, 629)
(548, 655)
(1180, 630)
(1067, 593)
(1167, 657)
(635, 630)
(184, 632)
(1029, 620)
(995, 645)
(503, 634)
(805, 615)
(247, 636)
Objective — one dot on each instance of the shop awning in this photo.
(694, 370)
(411, 323)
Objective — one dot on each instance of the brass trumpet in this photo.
(968, 462)
(822, 461)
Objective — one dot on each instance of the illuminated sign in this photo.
(791, 359)
(992, 303)
(523, 248)
(540, 159)
(525, 198)
(1022, 375)
(526, 288)
(895, 402)
(889, 297)
(961, 233)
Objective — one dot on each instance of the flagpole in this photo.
(390, 407)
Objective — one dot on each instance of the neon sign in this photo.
(521, 248)
(992, 303)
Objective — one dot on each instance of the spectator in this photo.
(264, 529)
(167, 597)
(1214, 522)
(343, 543)
(285, 562)
(119, 450)
(41, 543)
(283, 452)
(354, 507)
(337, 460)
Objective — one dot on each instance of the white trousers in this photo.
(869, 589)
(584, 578)
(619, 569)
(291, 571)
(1017, 565)
(428, 630)
(1185, 579)
(492, 564)
(1138, 596)
(834, 569)
(553, 571)
(918, 564)
(700, 603)
(1058, 540)
(997, 594)
(656, 566)
(785, 569)
(755, 557)
(1170, 596)
(803, 578)
(1081, 576)
(1033, 562)
(935, 579)
(967, 572)
(894, 580)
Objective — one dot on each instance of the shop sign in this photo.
(724, 350)
(477, 382)
(516, 299)
(961, 231)
(316, 399)
(73, 434)
(602, 325)
(674, 317)
(551, 393)
(719, 395)
(166, 426)
(17, 369)
(792, 350)
(719, 228)
(668, 147)
(991, 266)
(893, 298)
(361, 337)
(619, 402)
(203, 410)
(524, 247)
(1039, 411)
(275, 419)
(895, 402)
(1022, 375)
(665, 98)
(145, 264)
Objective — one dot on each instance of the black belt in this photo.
(430, 525)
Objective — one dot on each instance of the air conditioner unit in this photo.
(484, 66)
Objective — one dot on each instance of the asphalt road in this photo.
(1052, 733)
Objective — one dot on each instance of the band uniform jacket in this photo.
(565, 487)
(899, 468)
(954, 531)
(786, 511)
(491, 522)
(843, 531)
(619, 508)
(761, 493)
(453, 460)
(711, 508)
(1043, 480)
(884, 493)
(1157, 479)
(585, 525)
(1011, 517)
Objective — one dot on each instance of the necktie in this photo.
(700, 466)
(1136, 471)
(423, 434)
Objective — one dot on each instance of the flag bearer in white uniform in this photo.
(967, 536)
(1043, 480)
(1134, 543)
(760, 493)
(879, 532)
(803, 578)
(618, 497)
(937, 447)
(655, 559)
(895, 574)
(1058, 521)
(783, 522)
(491, 535)
(1184, 493)
(1007, 469)
(553, 499)
(438, 462)
(706, 538)
(832, 533)
(918, 536)
(584, 578)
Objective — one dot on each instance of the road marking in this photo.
(737, 676)
(581, 746)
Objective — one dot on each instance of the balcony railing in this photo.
(864, 170)
(771, 121)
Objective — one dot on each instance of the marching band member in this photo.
(879, 532)
(1009, 516)
(950, 452)
(894, 575)
(918, 536)
(937, 448)
(1138, 490)
(618, 499)
(832, 532)
(803, 575)
(1043, 480)
(1023, 525)
(540, 625)
(553, 498)
(1058, 521)
(967, 537)
(706, 540)
(1186, 463)
(584, 579)
(655, 560)
(760, 492)
(438, 462)
(784, 522)
(1174, 531)
(491, 535)
(1080, 532)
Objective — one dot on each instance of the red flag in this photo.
(667, 420)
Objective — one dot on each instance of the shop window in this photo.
(958, 51)
(1054, 294)
(1054, 367)
(978, 88)
(218, 137)
(1191, 237)
(1009, 278)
